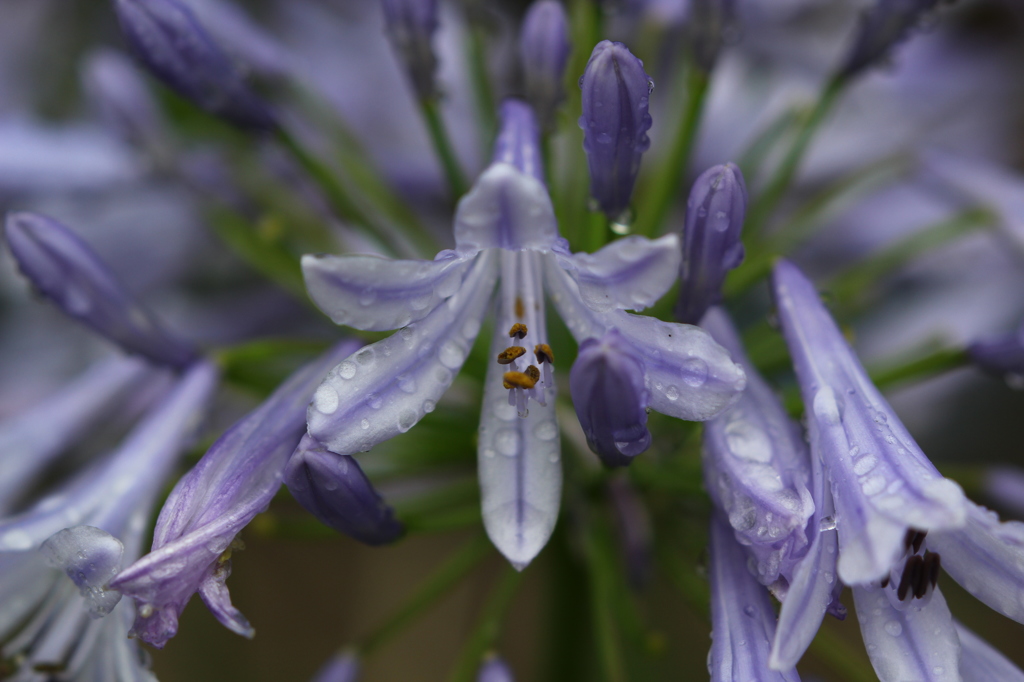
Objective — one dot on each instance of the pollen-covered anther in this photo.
(920, 573)
(544, 353)
(914, 539)
(510, 354)
(524, 380)
(518, 331)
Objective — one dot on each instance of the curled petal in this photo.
(373, 293)
(688, 374)
(757, 468)
(385, 388)
(234, 481)
(628, 274)
(881, 481)
(987, 558)
(91, 558)
(980, 662)
(742, 617)
(608, 392)
(916, 643)
(506, 209)
(335, 490)
(67, 271)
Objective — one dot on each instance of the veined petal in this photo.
(628, 274)
(980, 662)
(917, 643)
(881, 481)
(987, 558)
(519, 458)
(385, 388)
(742, 617)
(376, 294)
(757, 468)
(688, 374)
(506, 209)
(335, 490)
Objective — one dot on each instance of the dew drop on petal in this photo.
(695, 373)
(546, 431)
(894, 628)
(451, 355)
(325, 400)
(364, 424)
(406, 420)
(507, 442)
(428, 406)
(347, 370)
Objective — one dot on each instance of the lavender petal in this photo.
(91, 558)
(373, 293)
(628, 274)
(980, 662)
(506, 209)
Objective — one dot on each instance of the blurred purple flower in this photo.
(544, 50)
(410, 25)
(343, 667)
(1002, 356)
(616, 92)
(882, 26)
(494, 670)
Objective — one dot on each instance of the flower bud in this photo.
(166, 36)
(1002, 356)
(494, 670)
(343, 667)
(881, 27)
(335, 490)
(65, 270)
(544, 49)
(410, 25)
(118, 90)
(616, 91)
(608, 392)
(711, 239)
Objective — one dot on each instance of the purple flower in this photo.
(1002, 356)
(544, 50)
(410, 25)
(882, 26)
(616, 92)
(84, 530)
(979, 662)
(494, 670)
(335, 490)
(343, 667)
(124, 101)
(711, 239)
(742, 616)
(64, 269)
(608, 392)
(169, 40)
(234, 481)
(504, 229)
(882, 484)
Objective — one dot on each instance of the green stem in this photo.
(443, 146)
(484, 94)
(602, 587)
(597, 231)
(919, 367)
(767, 201)
(433, 589)
(665, 189)
(485, 635)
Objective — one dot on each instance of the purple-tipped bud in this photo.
(343, 667)
(1002, 356)
(616, 92)
(167, 37)
(608, 392)
(494, 670)
(711, 239)
(518, 141)
(122, 97)
(410, 25)
(335, 490)
(544, 49)
(709, 23)
(65, 270)
(881, 27)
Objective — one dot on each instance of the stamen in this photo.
(932, 564)
(911, 577)
(885, 582)
(914, 538)
(524, 380)
(509, 355)
(518, 330)
(533, 373)
(544, 353)
(520, 309)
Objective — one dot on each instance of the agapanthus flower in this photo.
(544, 50)
(504, 230)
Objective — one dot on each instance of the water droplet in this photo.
(374, 401)
(146, 610)
(506, 442)
(750, 610)
(488, 453)
(747, 442)
(894, 628)
(451, 355)
(365, 356)
(347, 370)
(367, 297)
(864, 464)
(827, 523)
(364, 424)
(428, 406)
(695, 373)
(825, 406)
(938, 670)
(407, 334)
(546, 431)
(406, 383)
(330, 484)
(604, 138)
(721, 221)
(471, 328)
(406, 420)
(873, 485)
(325, 400)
